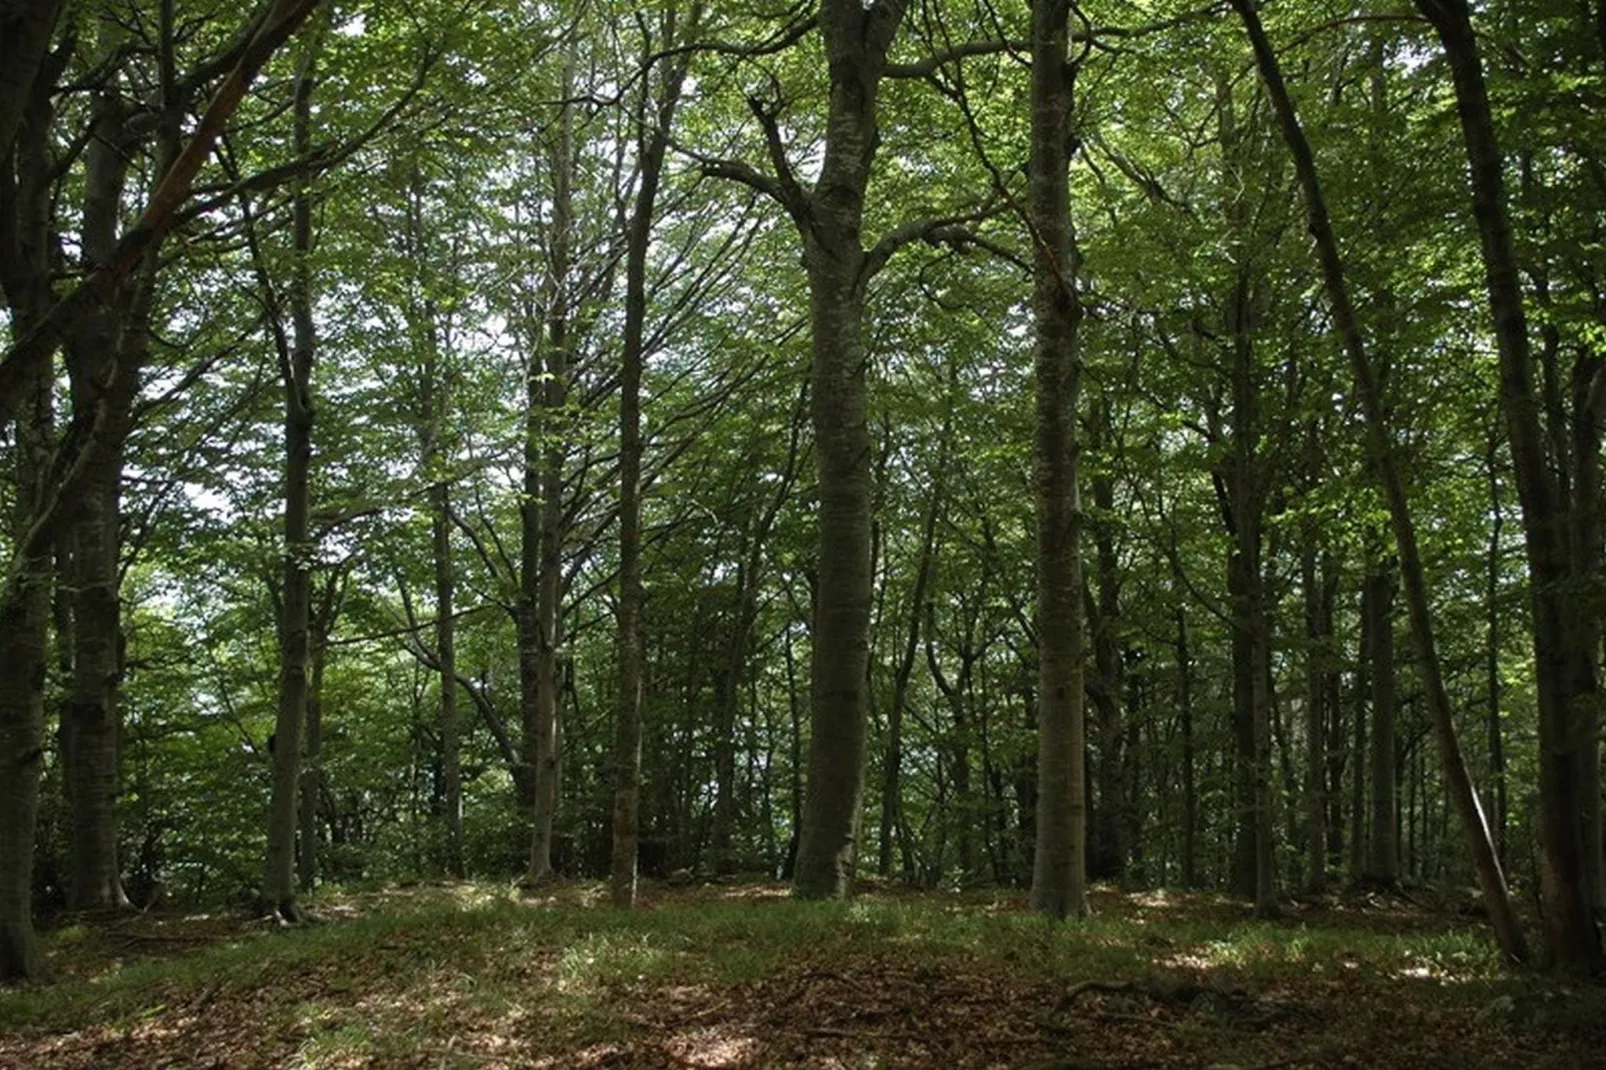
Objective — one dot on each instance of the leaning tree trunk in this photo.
(295, 623)
(1059, 878)
(1491, 878)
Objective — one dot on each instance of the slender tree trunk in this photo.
(1059, 876)
(1492, 642)
(892, 822)
(1190, 796)
(554, 395)
(279, 883)
(312, 767)
(1109, 848)
(1383, 850)
(1496, 897)
(652, 144)
(1316, 668)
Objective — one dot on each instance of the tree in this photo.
(1059, 876)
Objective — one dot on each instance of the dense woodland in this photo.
(962, 442)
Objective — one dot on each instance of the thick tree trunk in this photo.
(1059, 876)
(25, 607)
(830, 219)
(24, 616)
(25, 30)
(103, 387)
(1459, 785)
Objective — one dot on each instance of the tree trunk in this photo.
(1377, 610)
(1110, 847)
(554, 397)
(652, 144)
(1190, 799)
(1492, 880)
(279, 883)
(1492, 642)
(1565, 668)
(1316, 668)
(24, 615)
(25, 607)
(103, 390)
(1059, 876)
(312, 765)
(830, 219)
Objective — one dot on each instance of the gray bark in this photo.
(1059, 877)
(548, 586)
(1383, 848)
(653, 142)
(830, 218)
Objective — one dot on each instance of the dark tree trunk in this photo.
(24, 616)
(102, 359)
(1110, 847)
(279, 883)
(1492, 880)
(1377, 609)
(1190, 797)
(1059, 876)
(1564, 659)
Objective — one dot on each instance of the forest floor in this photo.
(475, 975)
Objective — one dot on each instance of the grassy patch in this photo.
(465, 974)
